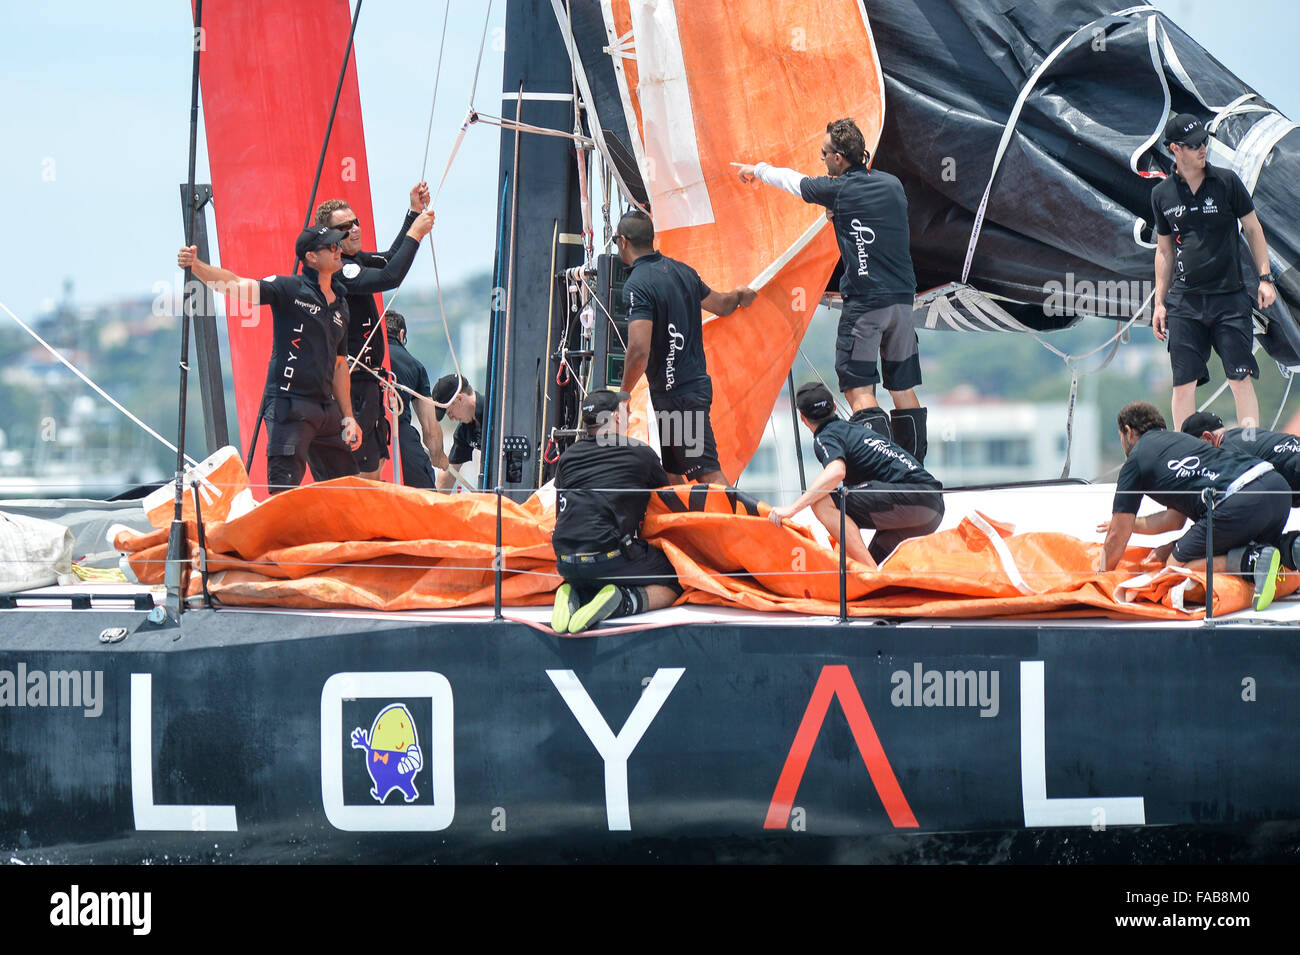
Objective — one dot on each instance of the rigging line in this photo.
(329, 124)
(517, 126)
(437, 75)
(84, 377)
(1282, 404)
(839, 405)
(482, 43)
(510, 288)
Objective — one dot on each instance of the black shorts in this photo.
(647, 567)
(686, 441)
(894, 511)
(302, 432)
(1197, 323)
(865, 335)
(372, 418)
(1257, 514)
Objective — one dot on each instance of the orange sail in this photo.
(707, 84)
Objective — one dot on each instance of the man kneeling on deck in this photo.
(609, 571)
(1252, 501)
(888, 490)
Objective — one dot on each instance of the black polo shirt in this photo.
(363, 275)
(1277, 448)
(1205, 229)
(1173, 469)
(668, 293)
(869, 213)
(590, 517)
(468, 436)
(410, 373)
(307, 334)
(867, 456)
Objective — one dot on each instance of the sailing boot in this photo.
(1290, 548)
(876, 419)
(910, 431)
(1260, 564)
(566, 604)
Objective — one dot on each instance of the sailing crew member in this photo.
(1179, 471)
(665, 342)
(466, 406)
(608, 570)
(1200, 299)
(417, 466)
(1277, 448)
(868, 209)
(307, 402)
(363, 274)
(888, 490)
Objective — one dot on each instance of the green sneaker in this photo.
(1267, 563)
(597, 609)
(566, 602)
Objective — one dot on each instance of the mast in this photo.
(539, 229)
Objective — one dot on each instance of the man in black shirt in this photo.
(1277, 448)
(467, 406)
(1200, 298)
(417, 469)
(1180, 472)
(868, 209)
(363, 274)
(609, 571)
(665, 343)
(888, 490)
(307, 404)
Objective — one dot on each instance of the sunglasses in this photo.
(332, 247)
(348, 226)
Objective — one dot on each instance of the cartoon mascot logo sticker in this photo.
(392, 752)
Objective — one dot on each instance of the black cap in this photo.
(1200, 422)
(317, 237)
(446, 388)
(603, 401)
(814, 401)
(1185, 130)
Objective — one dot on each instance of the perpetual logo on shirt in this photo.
(1287, 447)
(676, 342)
(1190, 466)
(309, 307)
(1175, 212)
(863, 236)
(883, 447)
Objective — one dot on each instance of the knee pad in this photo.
(876, 419)
(910, 432)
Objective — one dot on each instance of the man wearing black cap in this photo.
(608, 570)
(1277, 448)
(466, 406)
(868, 209)
(1200, 299)
(1180, 472)
(363, 274)
(307, 403)
(665, 342)
(417, 466)
(888, 490)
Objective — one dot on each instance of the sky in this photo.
(94, 121)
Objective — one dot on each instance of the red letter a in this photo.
(835, 681)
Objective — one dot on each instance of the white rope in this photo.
(84, 377)
(437, 76)
(479, 65)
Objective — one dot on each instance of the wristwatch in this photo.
(1268, 277)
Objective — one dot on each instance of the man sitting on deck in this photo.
(608, 570)
(1180, 472)
(1277, 448)
(888, 490)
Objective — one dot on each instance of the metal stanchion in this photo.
(496, 562)
(1209, 495)
(844, 561)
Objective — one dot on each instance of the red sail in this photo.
(269, 74)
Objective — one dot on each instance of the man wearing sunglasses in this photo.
(868, 209)
(1200, 299)
(307, 401)
(363, 274)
